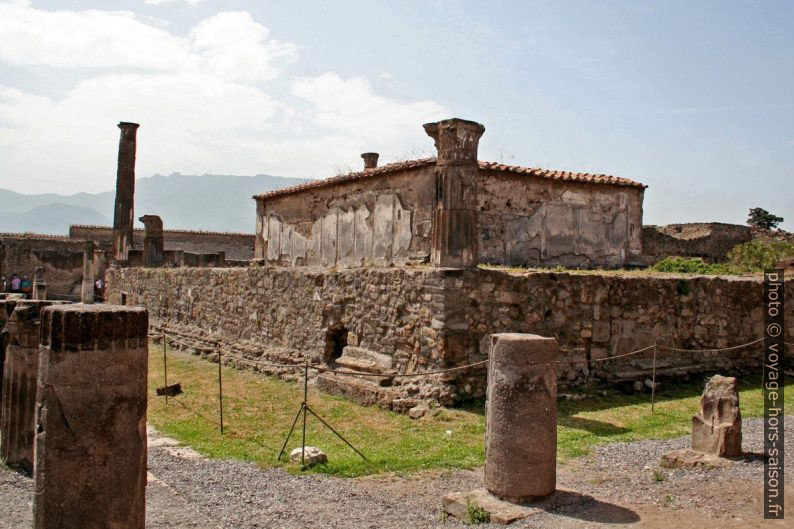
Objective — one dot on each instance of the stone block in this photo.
(717, 429)
(521, 417)
(91, 418)
(19, 379)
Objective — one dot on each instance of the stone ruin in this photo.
(73, 410)
(716, 429)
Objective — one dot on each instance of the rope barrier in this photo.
(231, 353)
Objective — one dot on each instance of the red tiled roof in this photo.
(586, 178)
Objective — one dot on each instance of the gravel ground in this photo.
(613, 487)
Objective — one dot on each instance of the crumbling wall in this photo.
(425, 319)
(380, 221)
(236, 246)
(711, 241)
(531, 221)
(62, 259)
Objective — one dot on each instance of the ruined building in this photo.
(377, 271)
(453, 210)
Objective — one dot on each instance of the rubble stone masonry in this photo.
(424, 319)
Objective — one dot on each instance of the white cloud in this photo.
(199, 99)
(352, 107)
(68, 39)
(234, 46)
(158, 2)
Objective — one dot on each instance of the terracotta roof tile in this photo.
(490, 166)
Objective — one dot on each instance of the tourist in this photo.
(98, 286)
(15, 284)
(5, 284)
(26, 286)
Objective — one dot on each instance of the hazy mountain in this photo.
(207, 202)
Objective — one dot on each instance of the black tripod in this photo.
(304, 407)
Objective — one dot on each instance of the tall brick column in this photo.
(91, 418)
(123, 217)
(521, 417)
(152, 241)
(18, 398)
(455, 218)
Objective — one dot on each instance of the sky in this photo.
(693, 98)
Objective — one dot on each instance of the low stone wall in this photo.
(407, 320)
(62, 259)
(711, 241)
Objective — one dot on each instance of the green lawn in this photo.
(258, 412)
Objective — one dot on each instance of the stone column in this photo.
(87, 291)
(521, 417)
(717, 429)
(18, 398)
(152, 241)
(91, 418)
(370, 160)
(455, 218)
(39, 285)
(125, 192)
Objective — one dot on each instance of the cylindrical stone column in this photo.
(521, 417)
(91, 418)
(18, 398)
(123, 216)
(39, 285)
(87, 290)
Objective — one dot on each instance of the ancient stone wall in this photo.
(237, 246)
(420, 319)
(711, 241)
(371, 221)
(61, 258)
(530, 221)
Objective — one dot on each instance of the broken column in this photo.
(521, 417)
(87, 290)
(455, 218)
(125, 192)
(18, 398)
(91, 418)
(717, 429)
(39, 285)
(370, 160)
(152, 241)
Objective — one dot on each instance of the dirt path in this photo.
(620, 485)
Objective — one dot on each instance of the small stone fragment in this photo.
(419, 411)
(717, 429)
(312, 456)
(637, 386)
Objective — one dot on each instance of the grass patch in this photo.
(259, 410)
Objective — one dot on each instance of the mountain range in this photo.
(188, 202)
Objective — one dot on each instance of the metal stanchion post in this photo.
(305, 395)
(220, 385)
(653, 379)
(165, 368)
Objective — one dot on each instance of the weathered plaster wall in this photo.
(237, 246)
(61, 258)
(712, 241)
(530, 221)
(380, 221)
(421, 319)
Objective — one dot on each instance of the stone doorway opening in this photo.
(335, 343)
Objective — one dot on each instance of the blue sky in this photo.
(695, 99)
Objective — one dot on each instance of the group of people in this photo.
(17, 285)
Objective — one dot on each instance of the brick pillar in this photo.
(521, 417)
(123, 216)
(39, 285)
(455, 218)
(152, 241)
(87, 290)
(91, 418)
(18, 398)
